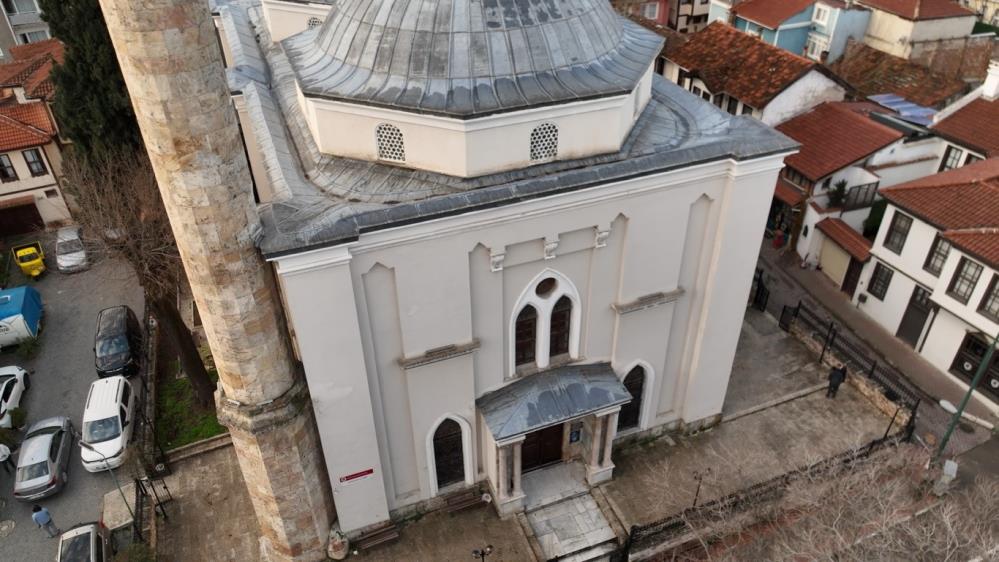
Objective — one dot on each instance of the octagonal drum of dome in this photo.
(470, 58)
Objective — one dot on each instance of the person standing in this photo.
(836, 377)
(43, 519)
(5, 458)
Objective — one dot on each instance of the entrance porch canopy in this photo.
(551, 397)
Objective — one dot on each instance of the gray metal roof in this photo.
(467, 58)
(550, 397)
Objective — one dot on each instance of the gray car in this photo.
(70, 255)
(43, 461)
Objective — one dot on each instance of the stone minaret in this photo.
(170, 58)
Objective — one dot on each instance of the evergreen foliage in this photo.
(91, 105)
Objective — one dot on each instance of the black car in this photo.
(118, 342)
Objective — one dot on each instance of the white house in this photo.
(968, 126)
(908, 28)
(500, 244)
(934, 276)
(746, 76)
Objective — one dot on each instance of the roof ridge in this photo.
(22, 124)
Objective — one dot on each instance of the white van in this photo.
(108, 420)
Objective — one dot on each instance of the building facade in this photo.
(934, 277)
(688, 16)
(23, 24)
(482, 285)
(783, 24)
(967, 127)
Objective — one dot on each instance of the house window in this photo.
(937, 256)
(51, 193)
(969, 356)
(880, 280)
(990, 302)
(951, 158)
(747, 110)
(814, 49)
(821, 14)
(525, 336)
(560, 326)
(34, 36)
(860, 196)
(719, 99)
(796, 177)
(630, 414)
(390, 143)
(660, 66)
(20, 6)
(696, 91)
(650, 10)
(7, 172)
(544, 142)
(733, 106)
(35, 163)
(964, 280)
(706, 95)
(971, 159)
(897, 232)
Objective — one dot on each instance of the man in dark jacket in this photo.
(836, 377)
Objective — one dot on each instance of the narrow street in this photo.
(64, 370)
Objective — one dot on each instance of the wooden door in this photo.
(915, 316)
(852, 277)
(541, 448)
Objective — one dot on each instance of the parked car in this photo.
(108, 419)
(13, 383)
(30, 258)
(70, 255)
(86, 542)
(43, 462)
(118, 342)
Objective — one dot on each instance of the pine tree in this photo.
(91, 104)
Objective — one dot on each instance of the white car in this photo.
(13, 384)
(108, 420)
(70, 255)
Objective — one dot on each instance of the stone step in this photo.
(599, 552)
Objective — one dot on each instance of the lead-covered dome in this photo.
(468, 58)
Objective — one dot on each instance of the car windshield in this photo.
(75, 549)
(32, 471)
(112, 346)
(42, 431)
(25, 258)
(70, 246)
(98, 431)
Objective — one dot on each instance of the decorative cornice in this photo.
(439, 354)
(648, 301)
(258, 418)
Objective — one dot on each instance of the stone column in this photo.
(170, 59)
(609, 435)
(503, 478)
(596, 444)
(517, 491)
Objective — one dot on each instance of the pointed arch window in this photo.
(630, 415)
(526, 336)
(561, 324)
(449, 458)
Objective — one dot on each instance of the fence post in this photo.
(830, 336)
(874, 365)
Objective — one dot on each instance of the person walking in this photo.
(836, 377)
(43, 519)
(5, 458)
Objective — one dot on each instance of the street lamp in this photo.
(107, 467)
(481, 553)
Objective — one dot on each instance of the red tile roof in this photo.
(832, 136)
(673, 38)
(788, 193)
(770, 13)
(982, 243)
(730, 61)
(845, 237)
(975, 126)
(30, 68)
(963, 198)
(920, 9)
(873, 72)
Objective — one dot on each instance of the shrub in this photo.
(18, 417)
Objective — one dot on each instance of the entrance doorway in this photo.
(852, 277)
(449, 459)
(541, 448)
(915, 316)
(631, 413)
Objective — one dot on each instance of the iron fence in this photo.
(759, 295)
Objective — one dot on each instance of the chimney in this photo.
(990, 90)
(170, 59)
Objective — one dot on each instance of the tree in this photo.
(119, 204)
(91, 103)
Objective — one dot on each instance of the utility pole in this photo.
(982, 367)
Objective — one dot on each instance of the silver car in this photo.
(70, 255)
(43, 461)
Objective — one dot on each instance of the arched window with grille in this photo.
(561, 324)
(449, 458)
(631, 412)
(544, 142)
(526, 336)
(390, 143)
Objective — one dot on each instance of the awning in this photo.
(17, 201)
(551, 397)
(845, 237)
(788, 193)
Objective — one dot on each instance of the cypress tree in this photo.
(92, 104)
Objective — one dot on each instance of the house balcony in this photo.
(28, 18)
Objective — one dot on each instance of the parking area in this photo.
(64, 369)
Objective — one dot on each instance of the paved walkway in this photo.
(789, 283)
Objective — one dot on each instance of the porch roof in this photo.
(551, 397)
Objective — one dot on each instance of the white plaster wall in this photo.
(942, 342)
(428, 285)
(475, 147)
(967, 312)
(914, 251)
(888, 311)
(834, 261)
(905, 161)
(855, 218)
(285, 19)
(810, 245)
(943, 28)
(889, 33)
(807, 92)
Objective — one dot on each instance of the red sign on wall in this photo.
(356, 476)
